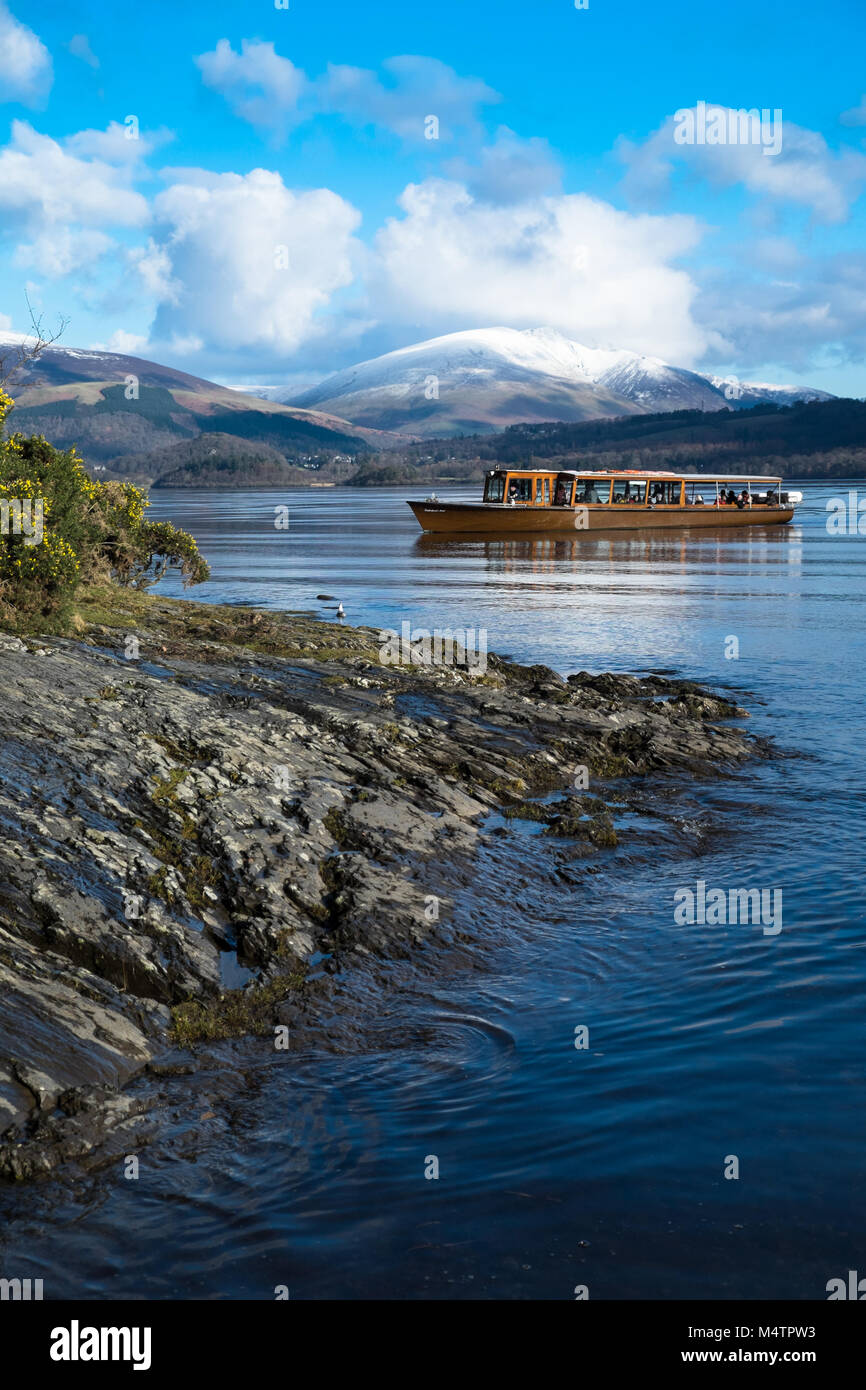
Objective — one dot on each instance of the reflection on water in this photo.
(628, 602)
(546, 554)
(557, 1166)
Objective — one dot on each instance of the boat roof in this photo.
(647, 473)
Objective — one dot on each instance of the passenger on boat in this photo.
(587, 492)
(743, 499)
(732, 497)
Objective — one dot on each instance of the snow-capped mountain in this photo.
(487, 378)
(742, 394)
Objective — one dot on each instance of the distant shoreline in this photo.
(427, 483)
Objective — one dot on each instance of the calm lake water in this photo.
(558, 1167)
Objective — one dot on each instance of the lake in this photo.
(559, 1166)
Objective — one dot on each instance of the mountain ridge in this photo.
(114, 407)
(485, 379)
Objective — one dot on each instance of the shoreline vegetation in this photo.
(60, 529)
(218, 821)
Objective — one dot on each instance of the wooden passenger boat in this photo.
(526, 500)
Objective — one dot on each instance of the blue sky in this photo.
(283, 212)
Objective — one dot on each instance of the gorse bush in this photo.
(60, 529)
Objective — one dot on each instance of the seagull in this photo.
(341, 612)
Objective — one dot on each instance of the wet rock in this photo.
(241, 794)
(173, 1063)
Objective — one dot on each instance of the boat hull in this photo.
(485, 518)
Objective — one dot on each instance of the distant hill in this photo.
(183, 431)
(219, 461)
(812, 439)
(485, 379)
(115, 407)
(761, 431)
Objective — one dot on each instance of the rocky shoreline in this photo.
(212, 817)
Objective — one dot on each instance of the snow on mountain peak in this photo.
(486, 378)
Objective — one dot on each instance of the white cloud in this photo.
(273, 94)
(602, 276)
(56, 203)
(41, 182)
(496, 242)
(153, 266)
(805, 171)
(793, 317)
(61, 250)
(510, 169)
(26, 71)
(242, 261)
(415, 88)
(189, 345)
(259, 85)
(114, 144)
(129, 343)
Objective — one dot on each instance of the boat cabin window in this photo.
(494, 488)
(562, 492)
(592, 491)
(665, 494)
(728, 497)
(630, 492)
(699, 494)
(519, 490)
(542, 492)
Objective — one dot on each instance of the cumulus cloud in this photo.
(242, 261)
(805, 171)
(43, 181)
(152, 264)
(26, 71)
(574, 262)
(414, 89)
(792, 317)
(130, 344)
(510, 169)
(259, 85)
(117, 144)
(61, 250)
(273, 94)
(243, 274)
(55, 204)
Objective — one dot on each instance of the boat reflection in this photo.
(546, 554)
